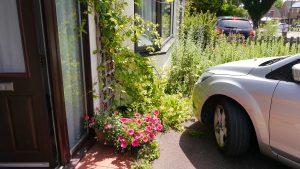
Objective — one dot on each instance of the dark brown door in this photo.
(24, 126)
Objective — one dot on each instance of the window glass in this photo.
(147, 11)
(166, 12)
(241, 24)
(11, 50)
(72, 69)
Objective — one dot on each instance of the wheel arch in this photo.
(207, 113)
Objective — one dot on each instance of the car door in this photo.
(284, 122)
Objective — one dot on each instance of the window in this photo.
(159, 12)
(283, 73)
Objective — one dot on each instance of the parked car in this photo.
(235, 25)
(256, 99)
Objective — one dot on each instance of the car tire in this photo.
(231, 128)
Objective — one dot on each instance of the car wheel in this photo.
(231, 128)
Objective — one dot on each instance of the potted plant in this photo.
(125, 133)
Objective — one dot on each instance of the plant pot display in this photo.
(125, 132)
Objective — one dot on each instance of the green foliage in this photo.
(278, 4)
(232, 10)
(269, 29)
(174, 110)
(109, 124)
(137, 88)
(213, 6)
(141, 164)
(150, 151)
(201, 26)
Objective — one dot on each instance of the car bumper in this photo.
(199, 97)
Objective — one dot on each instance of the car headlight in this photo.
(204, 76)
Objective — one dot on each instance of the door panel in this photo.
(24, 134)
(285, 120)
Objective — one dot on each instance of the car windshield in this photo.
(240, 24)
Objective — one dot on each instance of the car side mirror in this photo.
(296, 72)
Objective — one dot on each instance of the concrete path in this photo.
(182, 151)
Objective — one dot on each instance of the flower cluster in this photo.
(126, 132)
(88, 122)
(139, 129)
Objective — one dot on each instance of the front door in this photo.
(24, 126)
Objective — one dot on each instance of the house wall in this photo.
(94, 59)
(129, 11)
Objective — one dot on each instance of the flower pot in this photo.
(101, 137)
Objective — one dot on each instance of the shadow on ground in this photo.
(101, 156)
(201, 151)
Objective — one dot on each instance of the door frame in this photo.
(56, 80)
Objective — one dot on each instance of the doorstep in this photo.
(101, 156)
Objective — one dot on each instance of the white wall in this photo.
(129, 11)
(94, 60)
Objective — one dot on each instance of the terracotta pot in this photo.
(101, 137)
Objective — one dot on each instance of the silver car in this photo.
(257, 98)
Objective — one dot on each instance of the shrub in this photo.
(174, 110)
(137, 88)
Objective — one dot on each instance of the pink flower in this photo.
(135, 143)
(137, 115)
(108, 126)
(130, 131)
(124, 144)
(139, 122)
(153, 127)
(152, 136)
(145, 139)
(159, 127)
(124, 120)
(91, 125)
(116, 112)
(121, 138)
(156, 112)
(147, 120)
(148, 129)
(154, 119)
(86, 118)
(137, 136)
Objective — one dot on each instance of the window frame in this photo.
(142, 49)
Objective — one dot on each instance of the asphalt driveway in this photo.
(184, 151)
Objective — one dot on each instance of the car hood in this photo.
(239, 68)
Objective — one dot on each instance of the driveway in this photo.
(183, 151)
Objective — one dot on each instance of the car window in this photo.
(241, 24)
(283, 73)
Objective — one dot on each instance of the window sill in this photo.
(165, 48)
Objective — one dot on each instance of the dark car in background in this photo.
(235, 25)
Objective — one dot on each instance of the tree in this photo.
(213, 6)
(232, 10)
(278, 4)
(257, 8)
